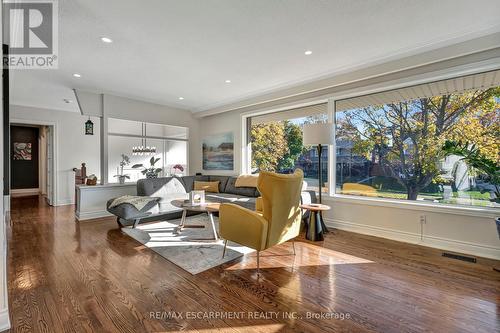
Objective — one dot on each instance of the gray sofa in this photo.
(169, 188)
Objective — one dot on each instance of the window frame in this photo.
(491, 212)
(330, 99)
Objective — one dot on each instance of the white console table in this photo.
(91, 200)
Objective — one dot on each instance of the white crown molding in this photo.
(31, 105)
(136, 98)
(422, 56)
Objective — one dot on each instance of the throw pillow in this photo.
(206, 186)
(246, 181)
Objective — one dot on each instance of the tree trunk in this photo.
(412, 192)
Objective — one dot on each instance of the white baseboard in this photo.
(82, 216)
(6, 203)
(430, 241)
(4, 320)
(65, 202)
(23, 192)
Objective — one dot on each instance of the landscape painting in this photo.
(22, 151)
(218, 152)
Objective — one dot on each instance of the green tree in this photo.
(293, 137)
(405, 138)
(269, 145)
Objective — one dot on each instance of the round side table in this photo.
(209, 207)
(314, 229)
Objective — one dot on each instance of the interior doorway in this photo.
(31, 158)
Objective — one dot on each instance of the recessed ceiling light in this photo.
(308, 52)
(106, 40)
(67, 101)
(228, 81)
(77, 75)
(181, 98)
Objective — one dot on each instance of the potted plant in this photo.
(150, 172)
(473, 158)
(122, 177)
(178, 170)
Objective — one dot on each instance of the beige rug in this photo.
(193, 256)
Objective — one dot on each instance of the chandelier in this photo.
(143, 149)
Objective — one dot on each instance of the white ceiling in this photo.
(165, 49)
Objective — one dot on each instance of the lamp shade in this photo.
(318, 134)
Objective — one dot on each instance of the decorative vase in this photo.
(151, 175)
(121, 179)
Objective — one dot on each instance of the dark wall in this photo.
(6, 117)
(24, 173)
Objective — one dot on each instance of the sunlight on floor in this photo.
(308, 255)
(27, 278)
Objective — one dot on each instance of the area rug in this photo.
(180, 248)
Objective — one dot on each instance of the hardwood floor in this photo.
(66, 276)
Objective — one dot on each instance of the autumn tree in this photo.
(269, 145)
(293, 137)
(405, 138)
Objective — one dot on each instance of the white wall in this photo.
(72, 145)
(176, 153)
(460, 231)
(222, 123)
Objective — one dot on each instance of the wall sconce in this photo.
(89, 127)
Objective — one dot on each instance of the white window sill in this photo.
(489, 212)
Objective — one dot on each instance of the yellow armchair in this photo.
(243, 226)
(276, 219)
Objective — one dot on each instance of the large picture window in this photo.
(276, 144)
(390, 144)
